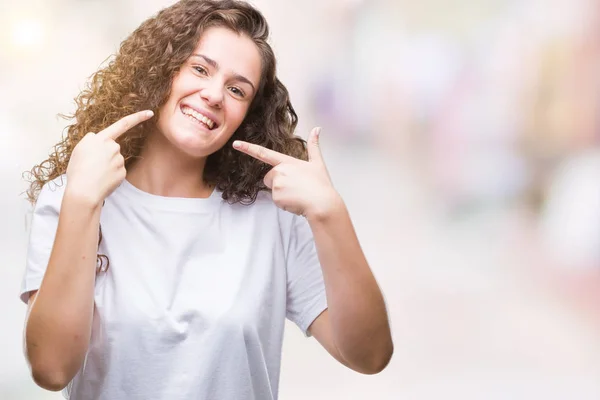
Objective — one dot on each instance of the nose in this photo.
(212, 93)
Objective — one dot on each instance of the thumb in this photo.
(313, 147)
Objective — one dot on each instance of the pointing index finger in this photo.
(126, 123)
(261, 153)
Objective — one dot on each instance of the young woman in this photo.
(180, 221)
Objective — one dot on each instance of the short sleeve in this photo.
(43, 223)
(306, 298)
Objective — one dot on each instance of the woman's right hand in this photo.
(96, 167)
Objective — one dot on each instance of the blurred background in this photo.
(464, 136)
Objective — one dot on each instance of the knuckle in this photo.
(277, 184)
(87, 137)
(125, 124)
(262, 154)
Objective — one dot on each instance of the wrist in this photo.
(81, 199)
(328, 209)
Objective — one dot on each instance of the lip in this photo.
(203, 112)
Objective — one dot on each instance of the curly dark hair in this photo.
(139, 77)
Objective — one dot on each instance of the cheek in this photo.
(237, 114)
(163, 119)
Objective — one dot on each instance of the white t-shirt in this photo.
(194, 301)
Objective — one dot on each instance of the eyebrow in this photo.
(215, 65)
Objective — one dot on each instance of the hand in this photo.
(96, 166)
(301, 187)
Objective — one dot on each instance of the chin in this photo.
(197, 147)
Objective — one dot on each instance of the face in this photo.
(212, 92)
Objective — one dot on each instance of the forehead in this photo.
(233, 52)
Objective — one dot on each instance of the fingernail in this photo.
(318, 131)
(237, 144)
(149, 113)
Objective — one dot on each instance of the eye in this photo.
(201, 70)
(237, 91)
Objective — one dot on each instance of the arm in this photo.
(355, 328)
(59, 320)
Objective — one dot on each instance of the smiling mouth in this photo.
(198, 117)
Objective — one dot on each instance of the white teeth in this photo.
(196, 115)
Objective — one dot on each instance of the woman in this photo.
(168, 245)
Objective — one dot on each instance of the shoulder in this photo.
(47, 205)
(264, 199)
(264, 202)
(264, 209)
(52, 192)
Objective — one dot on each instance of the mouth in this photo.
(199, 118)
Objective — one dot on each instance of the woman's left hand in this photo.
(298, 186)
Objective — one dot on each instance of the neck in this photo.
(163, 170)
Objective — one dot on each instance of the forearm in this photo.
(60, 319)
(357, 311)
